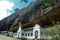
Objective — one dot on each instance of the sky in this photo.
(7, 7)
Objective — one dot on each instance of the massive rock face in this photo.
(7, 22)
(25, 15)
(22, 15)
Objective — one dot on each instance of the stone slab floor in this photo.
(7, 38)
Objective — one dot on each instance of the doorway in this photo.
(36, 34)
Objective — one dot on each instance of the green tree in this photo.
(54, 32)
(24, 1)
(17, 9)
(47, 3)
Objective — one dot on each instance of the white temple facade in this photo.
(31, 33)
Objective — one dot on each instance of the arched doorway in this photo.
(36, 34)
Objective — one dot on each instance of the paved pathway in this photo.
(7, 38)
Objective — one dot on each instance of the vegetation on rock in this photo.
(54, 32)
(47, 3)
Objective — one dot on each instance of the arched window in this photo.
(28, 34)
(31, 34)
(36, 34)
(22, 34)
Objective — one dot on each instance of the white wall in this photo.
(19, 32)
(36, 28)
(26, 36)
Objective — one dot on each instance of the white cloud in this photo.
(4, 6)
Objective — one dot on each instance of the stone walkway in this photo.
(7, 38)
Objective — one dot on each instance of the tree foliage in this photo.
(54, 32)
(47, 3)
(17, 9)
(24, 1)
